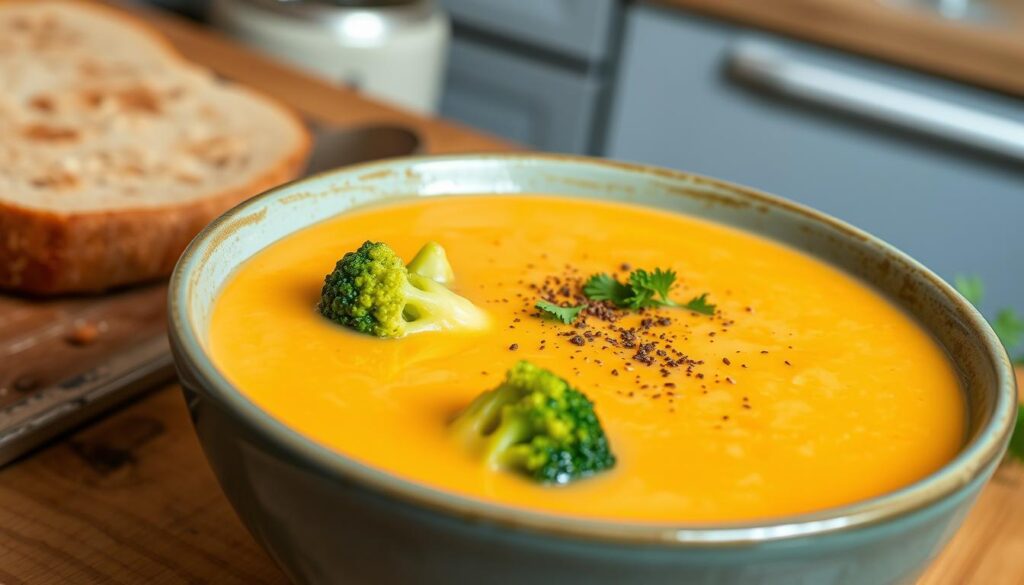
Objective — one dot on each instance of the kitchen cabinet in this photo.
(579, 29)
(956, 209)
(527, 101)
(534, 71)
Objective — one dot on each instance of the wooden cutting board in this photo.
(64, 360)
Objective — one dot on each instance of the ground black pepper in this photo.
(597, 330)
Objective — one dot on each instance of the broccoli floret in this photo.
(535, 423)
(371, 291)
(432, 262)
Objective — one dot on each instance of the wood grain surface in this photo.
(988, 56)
(130, 499)
(43, 342)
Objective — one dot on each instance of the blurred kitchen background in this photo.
(903, 117)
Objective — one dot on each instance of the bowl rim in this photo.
(974, 462)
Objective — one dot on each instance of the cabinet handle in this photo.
(764, 66)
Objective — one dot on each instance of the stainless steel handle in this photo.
(766, 67)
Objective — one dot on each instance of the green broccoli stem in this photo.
(432, 262)
(484, 417)
(430, 306)
(498, 451)
(484, 413)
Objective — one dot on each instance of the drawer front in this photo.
(958, 210)
(578, 28)
(545, 107)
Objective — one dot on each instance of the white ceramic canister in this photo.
(393, 50)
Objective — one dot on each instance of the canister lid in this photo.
(368, 20)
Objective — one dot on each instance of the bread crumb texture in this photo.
(115, 151)
(100, 114)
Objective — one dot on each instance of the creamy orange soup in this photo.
(813, 390)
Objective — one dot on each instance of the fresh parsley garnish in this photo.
(602, 287)
(701, 305)
(646, 285)
(645, 289)
(564, 314)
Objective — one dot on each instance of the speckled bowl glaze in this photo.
(328, 519)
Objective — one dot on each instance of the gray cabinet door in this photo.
(543, 106)
(577, 28)
(956, 210)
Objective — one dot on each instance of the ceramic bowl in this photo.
(328, 519)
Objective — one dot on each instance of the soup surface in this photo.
(806, 390)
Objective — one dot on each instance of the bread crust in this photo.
(44, 252)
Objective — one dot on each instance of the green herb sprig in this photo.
(644, 290)
(564, 314)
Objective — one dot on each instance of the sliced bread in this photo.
(115, 151)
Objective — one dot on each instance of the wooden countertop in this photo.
(987, 56)
(130, 499)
